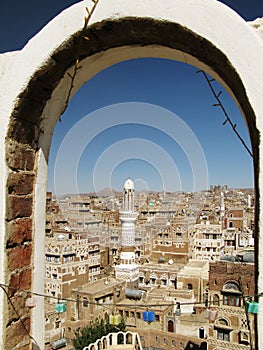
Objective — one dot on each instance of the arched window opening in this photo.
(170, 326)
(129, 338)
(231, 296)
(120, 338)
(216, 299)
(189, 286)
(223, 330)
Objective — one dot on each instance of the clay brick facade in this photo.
(228, 283)
(235, 218)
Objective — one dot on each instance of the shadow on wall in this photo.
(192, 346)
(35, 347)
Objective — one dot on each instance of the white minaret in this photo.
(127, 269)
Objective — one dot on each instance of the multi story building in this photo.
(208, 241)
(162, 274)
(231, 327)
(235, 218)
(165, 246)
(71, 260)
(194, 276)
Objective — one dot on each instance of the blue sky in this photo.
(133, 106)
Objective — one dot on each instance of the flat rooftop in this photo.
(99, 286)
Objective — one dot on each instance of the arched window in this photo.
(110, 339)
(223, 330)
(129, 338)
(231, 286)
(189, 286)
(120, 338)
(216, 299)
(231, 294)
(170, 326)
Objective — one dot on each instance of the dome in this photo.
(61, 237)
(128, 184)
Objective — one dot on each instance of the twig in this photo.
(76, 67)
(219, 104)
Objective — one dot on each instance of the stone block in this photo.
(19, 257)
(16, 333)
(19, 207)
(18, 302)
(20, 157)
(20, 183)
(24, 131)
(19, 231)
(20, 280)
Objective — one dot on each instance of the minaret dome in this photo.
(129, 184)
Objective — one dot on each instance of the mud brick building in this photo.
(229, 283)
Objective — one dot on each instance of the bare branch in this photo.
(219, 104)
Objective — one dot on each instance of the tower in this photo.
(127, 269)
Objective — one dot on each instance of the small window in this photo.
(223, 334)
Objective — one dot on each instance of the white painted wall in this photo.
(207, 18)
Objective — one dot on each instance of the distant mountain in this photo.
(105, 192)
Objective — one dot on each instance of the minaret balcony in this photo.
(126, 215)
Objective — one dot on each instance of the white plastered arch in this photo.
(207, 19)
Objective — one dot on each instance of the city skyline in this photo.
(120, 148)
